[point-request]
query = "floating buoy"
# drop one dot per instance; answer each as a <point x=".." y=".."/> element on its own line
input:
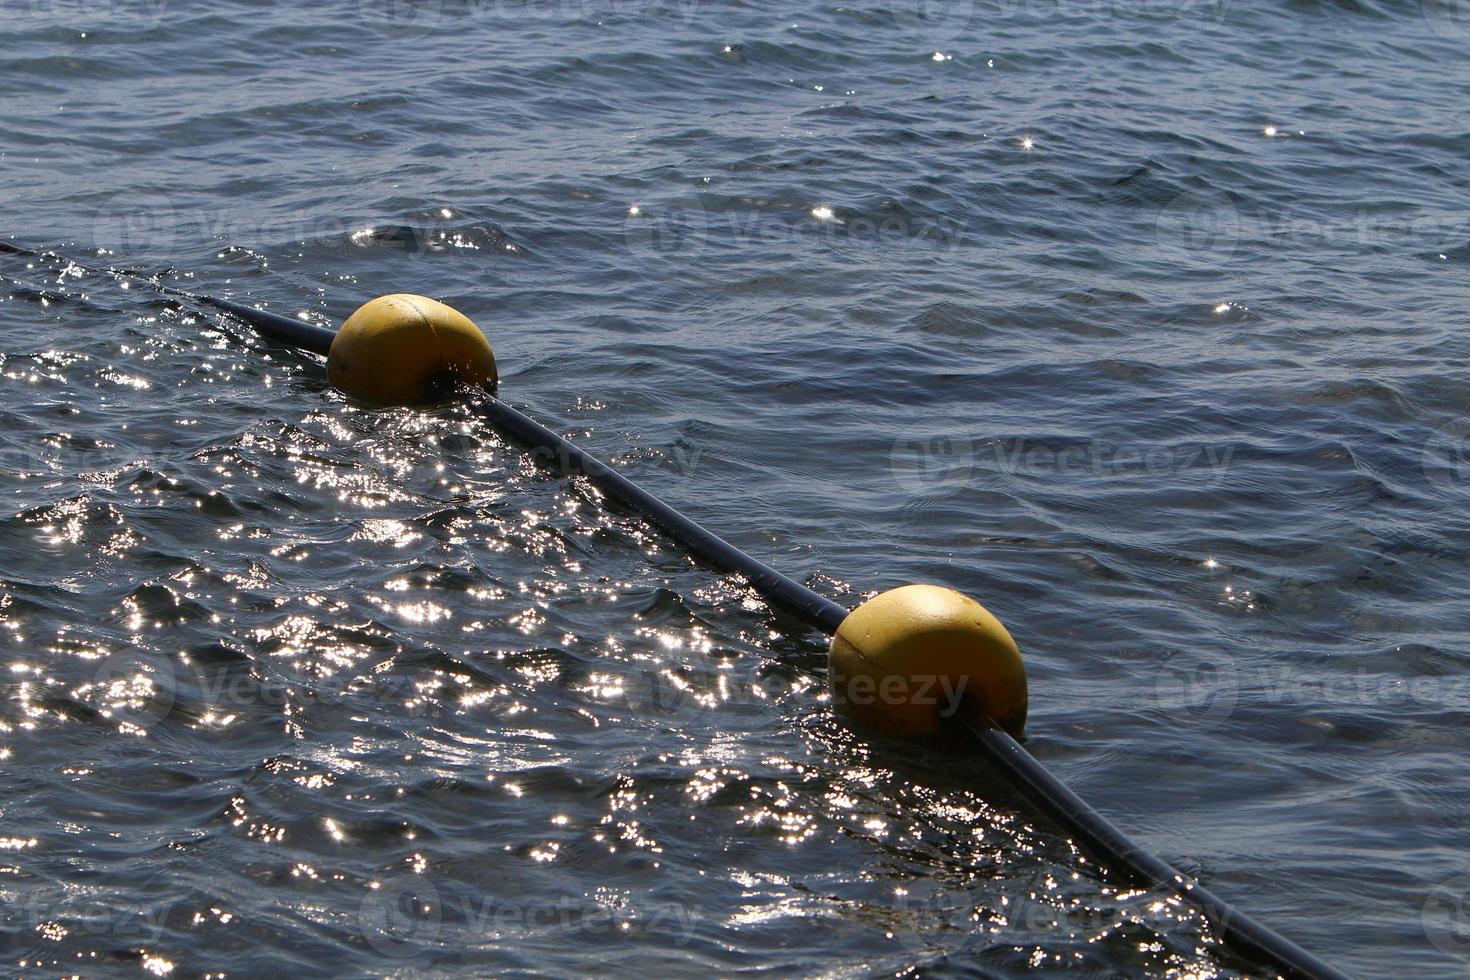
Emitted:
<point x="404" y="349"/>
<point x="906" y="638"/>
<point x="908" y="658"/>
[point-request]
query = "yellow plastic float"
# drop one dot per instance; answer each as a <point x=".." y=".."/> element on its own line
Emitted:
<point x="403" y="349"/>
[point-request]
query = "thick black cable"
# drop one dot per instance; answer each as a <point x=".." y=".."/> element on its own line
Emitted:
<point x="790" y="595"/>
<point x="1106" y="843"/>
<point x="1238" y="932"/>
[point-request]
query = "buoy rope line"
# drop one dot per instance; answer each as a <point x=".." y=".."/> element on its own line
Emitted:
<point x="384" y="318"/>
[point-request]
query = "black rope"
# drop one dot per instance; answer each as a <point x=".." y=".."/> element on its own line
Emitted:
<point x="1238" y="932"/>
<point x="808" y="606"/>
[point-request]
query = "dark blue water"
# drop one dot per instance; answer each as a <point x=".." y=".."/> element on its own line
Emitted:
<point x="1142" y="321"/>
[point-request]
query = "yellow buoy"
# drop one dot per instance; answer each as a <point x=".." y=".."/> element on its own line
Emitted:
<point x="910" y="657"/>
<point x="403" y="349"/>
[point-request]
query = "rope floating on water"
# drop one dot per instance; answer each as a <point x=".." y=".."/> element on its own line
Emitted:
<point x="1238" y="932"/>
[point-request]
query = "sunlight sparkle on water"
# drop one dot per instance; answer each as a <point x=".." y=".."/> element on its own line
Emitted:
<point x="157" y="965"/>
